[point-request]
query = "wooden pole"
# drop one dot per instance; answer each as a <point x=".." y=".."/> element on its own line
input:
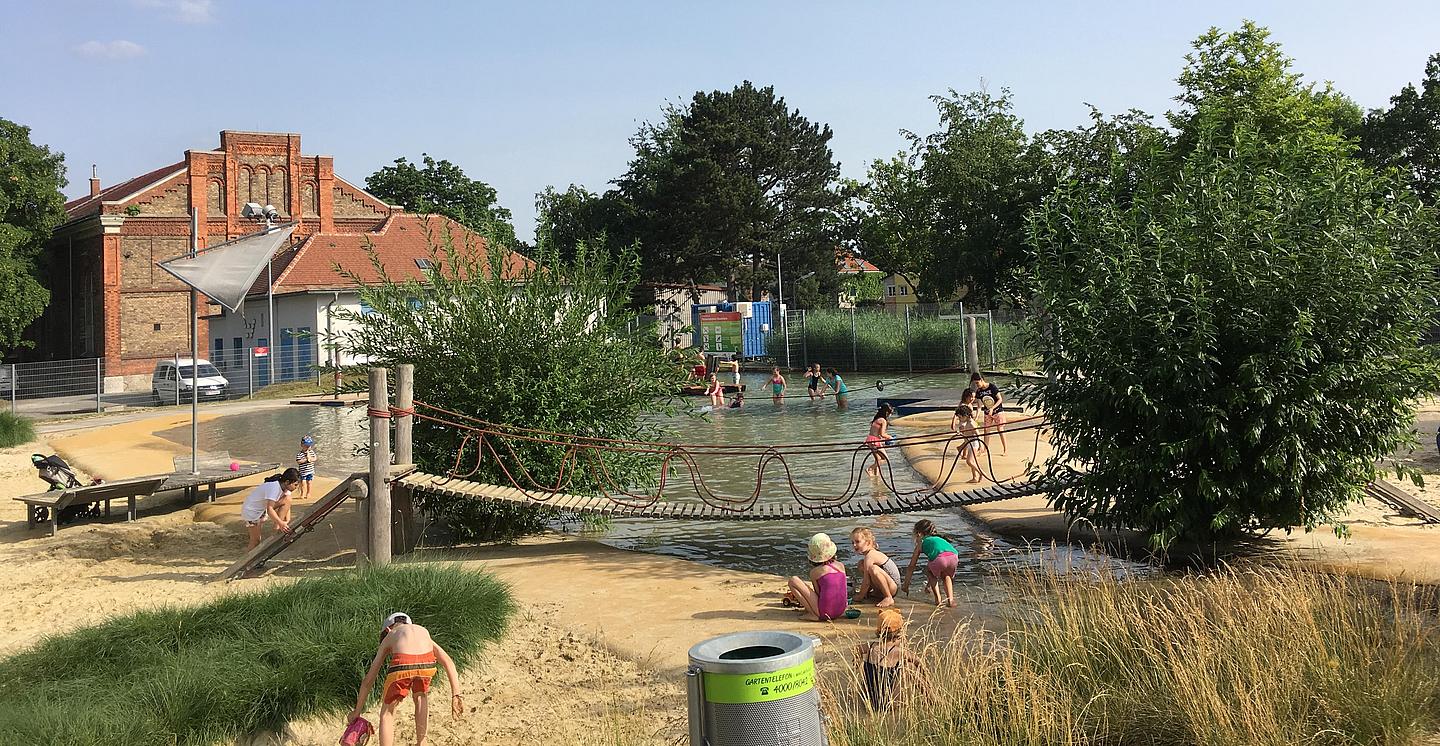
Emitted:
<point x="379" y="514"/>
<point x="404" y="423"/>
<point x="972" y="344"/>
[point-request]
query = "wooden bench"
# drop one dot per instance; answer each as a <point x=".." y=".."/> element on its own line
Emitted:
<point x="56" y="501"/>
<point x="210" y="475"/>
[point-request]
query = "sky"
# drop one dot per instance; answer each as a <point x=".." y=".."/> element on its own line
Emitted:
<point x="524" y="95"/>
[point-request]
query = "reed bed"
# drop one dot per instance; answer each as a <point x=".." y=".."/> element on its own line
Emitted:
<point x="244" y="664"/>
<point x="1229" y="657"/>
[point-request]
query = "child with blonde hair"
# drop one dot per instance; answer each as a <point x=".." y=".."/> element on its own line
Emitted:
<point x="879" y="576"/>
<point x="886" y="662"/>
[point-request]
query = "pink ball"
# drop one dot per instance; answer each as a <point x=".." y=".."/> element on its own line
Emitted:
<point x="234" y="466"/>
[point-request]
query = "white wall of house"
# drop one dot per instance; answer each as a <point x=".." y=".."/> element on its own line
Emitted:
<point x="302" y="323"/>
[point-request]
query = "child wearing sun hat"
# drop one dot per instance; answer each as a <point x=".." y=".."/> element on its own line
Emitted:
<point x="825" y="595"/>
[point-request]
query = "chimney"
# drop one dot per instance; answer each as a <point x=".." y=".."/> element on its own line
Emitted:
<point x="94" y="182"/>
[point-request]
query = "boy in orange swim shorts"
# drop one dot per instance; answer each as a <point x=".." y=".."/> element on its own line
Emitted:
<point x="413" y="659"/>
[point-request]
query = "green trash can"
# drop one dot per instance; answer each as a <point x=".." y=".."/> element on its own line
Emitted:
<point x="754" y="689"/>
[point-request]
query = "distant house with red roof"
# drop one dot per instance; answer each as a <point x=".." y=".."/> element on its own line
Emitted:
<point x="109" y="300"/>
<point x="854" y="271"/>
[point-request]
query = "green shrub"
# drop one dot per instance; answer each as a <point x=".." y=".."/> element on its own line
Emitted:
<point x="15" y="430"/>
<point x="550" y="345"/>
<point x="248" y="662"/>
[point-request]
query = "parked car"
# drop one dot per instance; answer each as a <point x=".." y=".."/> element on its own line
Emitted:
<point x="166" y="377"/>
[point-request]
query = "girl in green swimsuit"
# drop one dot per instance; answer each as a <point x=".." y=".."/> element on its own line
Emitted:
<point x="777" y="386"/>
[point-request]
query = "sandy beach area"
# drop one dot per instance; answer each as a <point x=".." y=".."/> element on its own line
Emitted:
<point x="596" y="654"/>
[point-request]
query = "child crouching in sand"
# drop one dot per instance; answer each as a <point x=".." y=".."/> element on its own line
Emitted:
<point x="943" y="561"/>
<point x="825" y="595"/>
<point x="886" y="662"/>
<point x="413" y="657"/>
<point x="879" y="577"/>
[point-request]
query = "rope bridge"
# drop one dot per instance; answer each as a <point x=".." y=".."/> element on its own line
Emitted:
<point x="584" y="479"/>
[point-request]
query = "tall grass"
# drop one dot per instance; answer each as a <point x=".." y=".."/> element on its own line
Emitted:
<point x="246" y="663"/>
<point x="15" y="430"/>
<point x="880" y="342"/>
<point x="1256" y="657"/>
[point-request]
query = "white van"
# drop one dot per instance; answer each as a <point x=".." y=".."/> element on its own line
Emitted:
<point x="163" y="383"/>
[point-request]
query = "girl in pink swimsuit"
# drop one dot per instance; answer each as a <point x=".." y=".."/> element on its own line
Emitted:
<point x="878" y="437"/>
<point x="826" y="594"/>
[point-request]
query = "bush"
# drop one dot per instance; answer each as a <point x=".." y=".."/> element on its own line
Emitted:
<point x="245" y="663"/>
<point x="15" y="430"/>
<point x="1232" y="314"/>
<point x="548" y="345"/>
<point x="1242" y="658"/>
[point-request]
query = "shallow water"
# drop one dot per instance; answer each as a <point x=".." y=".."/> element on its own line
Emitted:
<point x="776" y="547"/>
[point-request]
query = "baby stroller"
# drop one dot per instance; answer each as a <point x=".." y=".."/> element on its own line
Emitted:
<point x="60" y="476"/>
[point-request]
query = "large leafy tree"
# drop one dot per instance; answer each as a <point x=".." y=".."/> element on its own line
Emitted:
<point x="949" y="212"/>
<point x="578" y="217"/>
<point x="1231" y="313"/>
<point x="718" y="188"/>
<point x="31" y="205"/>
<point x="442" y="187"/>
<point x="1407" y="135"/>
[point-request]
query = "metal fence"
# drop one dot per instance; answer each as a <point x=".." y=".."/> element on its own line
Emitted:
<point x="911" y="338"/>
<point x="55" y="387"/>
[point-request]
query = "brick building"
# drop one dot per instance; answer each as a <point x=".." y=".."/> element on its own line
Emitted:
<point x="109" y="300"/>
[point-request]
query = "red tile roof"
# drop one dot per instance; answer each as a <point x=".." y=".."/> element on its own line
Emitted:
<point x="398" y="243"/>
<point x="849" y="264"/>
<point x="83" y="206"/>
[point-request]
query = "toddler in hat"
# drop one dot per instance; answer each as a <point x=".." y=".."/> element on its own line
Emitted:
<point x="824" y="597"/>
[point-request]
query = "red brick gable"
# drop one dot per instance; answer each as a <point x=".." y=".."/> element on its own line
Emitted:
<point x="87" y="205"/>
<point x="398" y="243"/>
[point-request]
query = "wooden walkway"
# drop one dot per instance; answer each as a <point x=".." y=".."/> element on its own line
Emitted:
<point x="695" y="510"/>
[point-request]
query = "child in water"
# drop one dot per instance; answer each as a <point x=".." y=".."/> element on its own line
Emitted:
<point x="305" y="462"/>
<point x="838" y="384"/>
<point x="815" y="379"/>
<point x="943" y="560"/>
<point x="777" y="386"/>
<point x="715" y="391"/>
<point x="413" y="658"/>
<point x="963" y="423"/>
<point x="886" y="662"/>
<point x="879" y="577"/>
<point x="878" y="437"/>
<point x="739" y="400"/>
<point x="824" y="596"/>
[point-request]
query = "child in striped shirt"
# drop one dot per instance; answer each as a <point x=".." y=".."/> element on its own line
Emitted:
<point x="305" y="462"/>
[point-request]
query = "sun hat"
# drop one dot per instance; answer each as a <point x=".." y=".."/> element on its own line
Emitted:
<point x="889" y="623"/>
<point x="395" y="618"/>
<point x="821" y="549"/>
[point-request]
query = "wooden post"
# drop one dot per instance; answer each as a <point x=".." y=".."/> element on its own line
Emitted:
<point x="404" y="423"/>
<point x="972" y="344"/>
<point x="379" y="514"/>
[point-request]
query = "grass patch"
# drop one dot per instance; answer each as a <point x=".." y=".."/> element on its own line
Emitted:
<point x="1259" y="658"/>
<point x="15" y="430"/>
<point x="211" y="673"/>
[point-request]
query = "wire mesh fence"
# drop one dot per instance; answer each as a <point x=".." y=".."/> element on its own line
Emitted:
<point x="54" y="387"/>
<point x="912" y="338"/>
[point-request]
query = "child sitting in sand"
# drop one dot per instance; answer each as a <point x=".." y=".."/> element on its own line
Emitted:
<point x="413" y="657"/>
<point x="879" y="577"/>
<point x="271" y="498"/>
<point x="824" y="596"/>
<point x="943" y="560"/>
<point x="886" y="662"/>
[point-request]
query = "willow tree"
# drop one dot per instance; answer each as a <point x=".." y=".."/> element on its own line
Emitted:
<point x="1231" y="309"/>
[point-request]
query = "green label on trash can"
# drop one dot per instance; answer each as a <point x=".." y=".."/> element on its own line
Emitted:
<point x="744" y="688"/>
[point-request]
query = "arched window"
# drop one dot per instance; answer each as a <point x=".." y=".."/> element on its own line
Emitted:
<point x="310" y="199"/>
<point x="278" y="191"/>
<point x="245" y="190"/>
<point x="215" y="197"/>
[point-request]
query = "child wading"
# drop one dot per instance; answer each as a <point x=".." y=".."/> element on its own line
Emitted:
<point x="963" y="422"/>
<point x="842" y="394"/>
<point x="879" y="577"/>
<point x="413" y="659"/>
<point x="878" y="437"/>
<point x="943" y="560"/>
<point x="305" y="462"/>
<point x="270" y="499"/>
<point x="815" y="380"/>
<point x="887" y="663"/>
<point x="824" y="596"/>
<point x="777" y="386"/>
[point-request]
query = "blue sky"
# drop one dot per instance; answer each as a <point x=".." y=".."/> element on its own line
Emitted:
<point x="528" y="94"/>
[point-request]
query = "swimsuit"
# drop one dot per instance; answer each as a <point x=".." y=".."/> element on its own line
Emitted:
<point x="943" y="559"/>
<point x="832" y="594"/>
<point x="879" y="682"/>
<point x="814" y="381"/>
<point x="777" y="386"/>
<point x="409" y="673"/>
<point x="839" y="386"/>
